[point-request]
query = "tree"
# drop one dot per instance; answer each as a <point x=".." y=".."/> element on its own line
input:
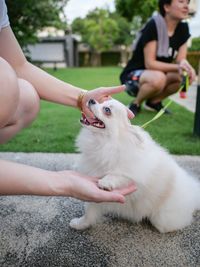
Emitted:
<point x="132" y="8"/>
<point x="124" y="30"/>
<point x="98" y="30"/>
<point x="27" y="17"/>
<point x="195" y="44"/>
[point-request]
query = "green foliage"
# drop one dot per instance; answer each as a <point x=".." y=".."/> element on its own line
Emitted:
<point x="195" y="44"/>
<point x="78" y="26"/>
<point x="29" y="16"/>
<point x="101" y="30"/>
<point x="193" y="55"/>
<point x="57" y="126"/>
<point x="131" y="8"/>
<point x="98" y="30"/>
<point x="124" y="29"/>
<point x="194" y="58"/>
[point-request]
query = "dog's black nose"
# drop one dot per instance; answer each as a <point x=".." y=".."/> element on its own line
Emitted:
<point x="91" y="102"/>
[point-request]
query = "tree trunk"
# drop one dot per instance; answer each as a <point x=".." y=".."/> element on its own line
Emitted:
<point x="96" y="59"/>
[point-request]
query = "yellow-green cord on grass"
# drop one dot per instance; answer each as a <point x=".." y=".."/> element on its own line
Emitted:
<point x="162" y="111"/>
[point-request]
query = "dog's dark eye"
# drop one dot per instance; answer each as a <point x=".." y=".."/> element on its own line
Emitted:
<point x="107" y="111"/>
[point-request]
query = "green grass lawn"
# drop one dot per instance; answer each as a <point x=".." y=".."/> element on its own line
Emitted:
<point x="57" y="126"/>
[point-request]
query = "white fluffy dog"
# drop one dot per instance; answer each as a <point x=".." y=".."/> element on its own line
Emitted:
<point x="118" y="152"/>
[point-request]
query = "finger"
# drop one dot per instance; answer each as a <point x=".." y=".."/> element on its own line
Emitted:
<point x="127" y="190"/>
<point x="88" y="113"/>
<point x="113" y="90"/>
<point x="117" y="195"/>
<point x="130" y="114"/>
<point x="193" y="73"/>
<point x="118" y="198"/>
<point x="104" y="98"/>
<point x="107" y="196"/>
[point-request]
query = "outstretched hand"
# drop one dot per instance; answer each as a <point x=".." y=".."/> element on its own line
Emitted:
<point x="86" y="188"/>
<point x="101" y="94"/>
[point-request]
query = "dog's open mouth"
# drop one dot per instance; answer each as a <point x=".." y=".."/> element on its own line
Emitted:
<point x="94" y="122"/>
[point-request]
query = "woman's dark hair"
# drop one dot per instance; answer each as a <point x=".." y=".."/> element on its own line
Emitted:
<point x="161" y="4"/>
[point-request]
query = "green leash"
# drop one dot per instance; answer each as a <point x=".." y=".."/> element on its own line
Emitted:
<point x="185" y="83"/>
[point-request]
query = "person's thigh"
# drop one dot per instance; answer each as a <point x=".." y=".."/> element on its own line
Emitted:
<point x="154" y="78"/>
<point x="19" y="103"/>
<point x="19" y="100"/>
<point x="9" y="93"/>
<point x="28" y="105"/>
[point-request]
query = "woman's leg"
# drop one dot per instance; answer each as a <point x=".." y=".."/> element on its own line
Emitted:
<point x="152" y="83"/>
<point x="19" y="103"/>
<point x="172" y="86"/>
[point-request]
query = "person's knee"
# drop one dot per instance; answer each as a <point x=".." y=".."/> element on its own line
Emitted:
<point x="155" y="81"/>
<point x="158" y="81"/>
<point x="173" y="77"/>
<point x="9" y="93"/>
<point x="30" y="102"/>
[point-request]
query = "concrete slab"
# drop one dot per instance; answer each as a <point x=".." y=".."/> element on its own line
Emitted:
<point x="34" y="231"/>
<point x="189" y="102"/>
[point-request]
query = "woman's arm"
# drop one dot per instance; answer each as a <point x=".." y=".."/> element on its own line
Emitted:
<point x="181" y="63"/>
<point x="152" y="63"/>
<point x="48" y="87"/>
<point x="19" y="179"/>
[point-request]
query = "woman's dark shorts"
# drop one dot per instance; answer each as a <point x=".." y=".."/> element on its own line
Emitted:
<point x="132" y="82"/>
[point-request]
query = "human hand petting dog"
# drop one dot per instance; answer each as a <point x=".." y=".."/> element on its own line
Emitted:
<point x="86" y="188"/>
<point x="100" y="95"/>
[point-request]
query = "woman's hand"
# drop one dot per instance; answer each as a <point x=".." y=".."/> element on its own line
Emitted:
<point x="20" y="179"/>
<point x="86" y="188"/>
<point x="184" y="65"/>
<point x="101" y="94"/>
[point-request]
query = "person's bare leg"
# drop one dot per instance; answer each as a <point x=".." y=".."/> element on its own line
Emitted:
<point x="9" y="92"/>
<point x="152" y="83"/>
<point x="19" y="103"/>
<point x="172" y="86"/>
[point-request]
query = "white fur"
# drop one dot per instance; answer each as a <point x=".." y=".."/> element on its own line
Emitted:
<point x="120" y="152"/>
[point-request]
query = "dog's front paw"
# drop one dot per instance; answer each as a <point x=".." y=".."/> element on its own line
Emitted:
<point x="111" y="182"/>
<point x="78" y="224"/>
<point x="106" y="184"/>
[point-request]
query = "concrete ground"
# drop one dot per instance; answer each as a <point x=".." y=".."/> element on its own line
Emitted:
<point x="35" y="232"/>
<point x="189" y="102"/>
